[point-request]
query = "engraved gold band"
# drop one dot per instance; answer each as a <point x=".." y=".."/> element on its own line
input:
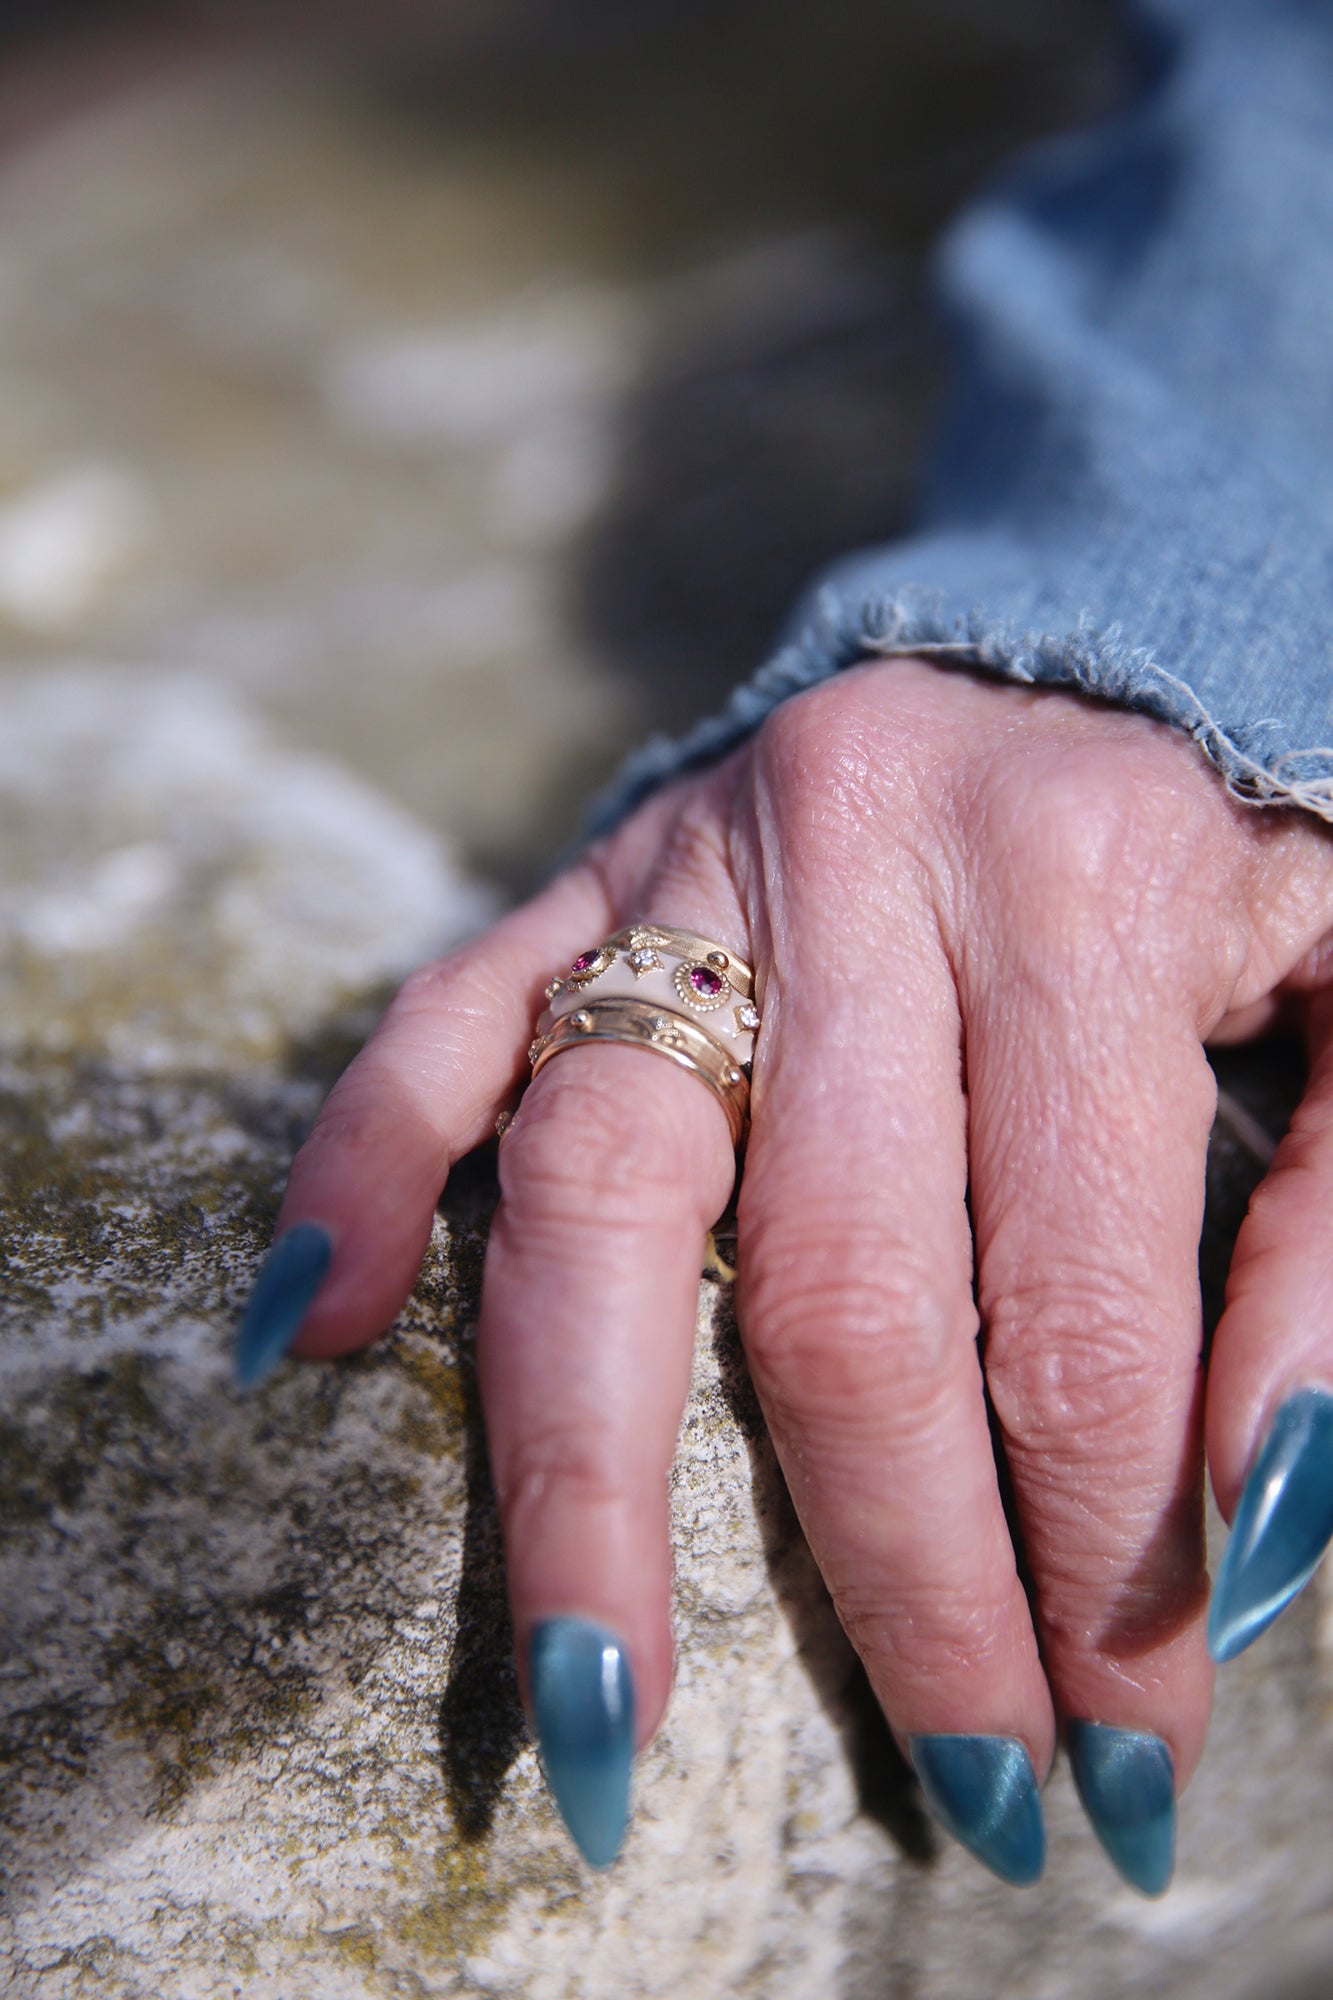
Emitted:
<point x="644" y="1025"/>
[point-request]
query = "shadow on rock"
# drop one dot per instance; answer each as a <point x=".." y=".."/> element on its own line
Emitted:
<point x="481" y="1723"/>
<point x="886" y="1788"/>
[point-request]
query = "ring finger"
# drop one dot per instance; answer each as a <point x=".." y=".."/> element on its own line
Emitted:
<point x="611" y="1173"/>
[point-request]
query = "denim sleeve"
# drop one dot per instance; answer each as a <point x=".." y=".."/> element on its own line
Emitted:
<point x="1132" y="494"/>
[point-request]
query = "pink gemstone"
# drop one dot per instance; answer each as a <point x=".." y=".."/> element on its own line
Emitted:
<point x="705" y="983"/>
<point x="586" y="961"/>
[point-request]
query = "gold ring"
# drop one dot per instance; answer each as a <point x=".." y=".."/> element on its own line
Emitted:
<point x="655" y="987"/>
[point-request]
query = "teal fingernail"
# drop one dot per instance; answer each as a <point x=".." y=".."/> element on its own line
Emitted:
<point x="984" y="1791"/>
<point x="1127" y="1782"/>
<point x="289" y="1278"/>
<point x="583" y="1709"/>
<point x="1283" y="1525"/>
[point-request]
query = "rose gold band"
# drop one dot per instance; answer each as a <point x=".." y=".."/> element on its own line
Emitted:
<point x="642" y="1025"/>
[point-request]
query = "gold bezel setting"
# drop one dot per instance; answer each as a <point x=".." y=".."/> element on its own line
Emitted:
<point x="701" y="987"/>
<point x="590" y="965"/>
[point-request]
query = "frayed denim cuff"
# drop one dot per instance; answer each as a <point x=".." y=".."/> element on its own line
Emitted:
<point x="1251" y="752"/>
<point x="1132" y="493"/>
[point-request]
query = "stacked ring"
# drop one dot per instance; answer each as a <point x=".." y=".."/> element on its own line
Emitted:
<point x="655" y="988"/>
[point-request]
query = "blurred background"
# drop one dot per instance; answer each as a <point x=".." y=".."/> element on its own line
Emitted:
<point x="470" y="387"/>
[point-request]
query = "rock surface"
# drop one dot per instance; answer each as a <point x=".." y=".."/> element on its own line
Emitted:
<point x="300" y="596"/>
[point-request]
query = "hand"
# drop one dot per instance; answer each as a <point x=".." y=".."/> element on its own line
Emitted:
<point x="992" y="930"/>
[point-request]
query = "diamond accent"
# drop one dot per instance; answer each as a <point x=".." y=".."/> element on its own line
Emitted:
<point x="747" y="1018"/>
<point x="643" y="959"/>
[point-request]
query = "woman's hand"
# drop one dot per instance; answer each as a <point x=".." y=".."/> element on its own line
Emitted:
<point x="992" y="930"/>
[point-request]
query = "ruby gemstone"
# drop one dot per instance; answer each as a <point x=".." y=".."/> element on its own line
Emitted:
<point x="586" y="961"/>
<point x="705" y="983"/>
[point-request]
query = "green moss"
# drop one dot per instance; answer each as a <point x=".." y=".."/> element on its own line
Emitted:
<point x="142" y="1204"/>
<point x="466" y="1909"/>
<point x="436" y="1429"/>
<point x="355" y="1946"/>
<point x="109" y="1190"/>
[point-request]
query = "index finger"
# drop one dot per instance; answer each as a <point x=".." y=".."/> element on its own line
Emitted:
<point x="356" y="1217"/>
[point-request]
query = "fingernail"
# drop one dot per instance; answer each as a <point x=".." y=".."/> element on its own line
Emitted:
<point x="290" y="1276"/>
<point x="1283" y="1525"/>
<point x="1127" y="1782"/>
<point x="982" y="1788"/>
<point x="583" y="1709"/>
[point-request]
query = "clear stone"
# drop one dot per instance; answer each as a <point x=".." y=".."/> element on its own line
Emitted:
<point x="747" y="1018"/>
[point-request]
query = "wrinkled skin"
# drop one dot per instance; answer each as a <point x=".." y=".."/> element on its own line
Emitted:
<point x="992" y="930"/>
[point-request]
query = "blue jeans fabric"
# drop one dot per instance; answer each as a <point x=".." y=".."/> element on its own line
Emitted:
<point x="1132" y="494"/>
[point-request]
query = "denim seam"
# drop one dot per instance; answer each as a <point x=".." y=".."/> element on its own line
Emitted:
<point x="1086" y="661"/>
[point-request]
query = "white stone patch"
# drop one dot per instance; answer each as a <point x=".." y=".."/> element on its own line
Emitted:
<point x="549" y="481"/>
<point x="174" y="882"/>
<point x="64" y="540"/>
<point x="120" y="891"/>
<point x="477" y="383"/>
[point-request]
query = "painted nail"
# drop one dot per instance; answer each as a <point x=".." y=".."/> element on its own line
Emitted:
<point x="290" y="1276"/>
<point x="583" y="1709"/>
<point x="1283" y="1525"/>
<point x="1127" y="1782"/>
<point x="983" y="1790"/>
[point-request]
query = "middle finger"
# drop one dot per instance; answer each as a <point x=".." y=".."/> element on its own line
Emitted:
<point x="857" y="1311"/>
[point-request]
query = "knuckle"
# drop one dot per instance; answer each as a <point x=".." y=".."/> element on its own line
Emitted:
<point x="362" y="1119"/>
<point x="910" y="1633"/>
<point x="439" y="1010"/>
<point x="1098" y="860"/>
<point x="436" y="985"/>
<point x="822" y="1317"/>
<point x="837" y="754"/>
<point x="573" y="1151"/>
<point x="1070" y="1376"/>
<point x="1075" y="828"/>
<point x="559" y="1467"/>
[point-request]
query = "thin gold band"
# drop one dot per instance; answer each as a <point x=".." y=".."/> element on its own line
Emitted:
<point x="643" y="1025"/>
